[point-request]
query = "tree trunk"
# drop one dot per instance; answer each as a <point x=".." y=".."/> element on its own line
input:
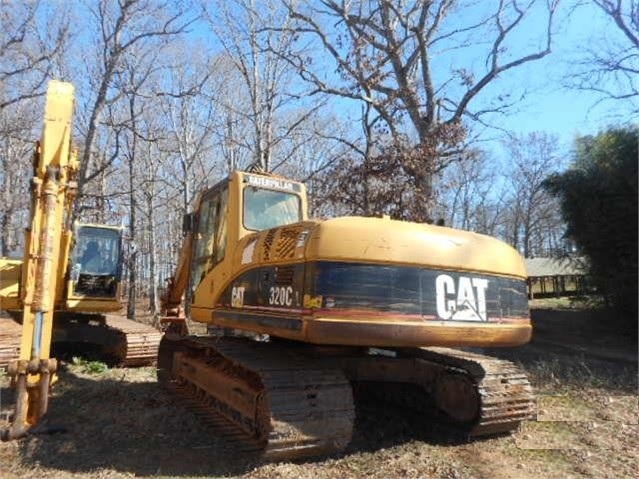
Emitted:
<point x="130" y="309"/>
<point x="4" y="238"/>
<point x="153" y="281"/>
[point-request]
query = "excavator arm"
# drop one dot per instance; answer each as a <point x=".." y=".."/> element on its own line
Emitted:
<point x="173" y="318"/>
<point x="53" y="189"/>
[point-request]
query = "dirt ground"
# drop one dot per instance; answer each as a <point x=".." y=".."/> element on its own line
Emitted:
<point x="118" y="423"/>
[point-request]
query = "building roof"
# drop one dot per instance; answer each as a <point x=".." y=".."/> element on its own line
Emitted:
<point x="555" y="266"/>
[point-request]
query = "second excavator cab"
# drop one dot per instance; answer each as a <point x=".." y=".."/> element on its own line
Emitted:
<point x="96" y="268"/>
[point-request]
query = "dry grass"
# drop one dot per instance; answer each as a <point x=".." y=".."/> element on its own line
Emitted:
<point x="119" y="423"/>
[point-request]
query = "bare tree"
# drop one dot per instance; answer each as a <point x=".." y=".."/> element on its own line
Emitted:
<point x="124" y="27"/>
<point x="17" y="134"/>
<point x="393" y="56"/>
<point x="191" y="121"/>
<point x="143" y="134"/>
<point x="534" y="224"/>
<point x="271" y="102"/>
<point x="610" y="64"/>
<point x="186" y="159"/>
<point x="471" y="196"/>
<point x="364" y="181"/>
<point x="148" y="185"/>
<point x="29" y="48"/>
<point x="134" y="84"/>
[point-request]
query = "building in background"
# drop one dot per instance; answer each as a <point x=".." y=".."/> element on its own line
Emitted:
<point x="557" y="277"/>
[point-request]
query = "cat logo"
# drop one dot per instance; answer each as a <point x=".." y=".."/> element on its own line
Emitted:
<point x="237" y="296"/>
<point x="463" y="299"/>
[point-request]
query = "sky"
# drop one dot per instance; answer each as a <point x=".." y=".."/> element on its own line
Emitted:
<point x="543" y="102"/>
<point x="545" y="105"/>
<point x="550" y="107"/>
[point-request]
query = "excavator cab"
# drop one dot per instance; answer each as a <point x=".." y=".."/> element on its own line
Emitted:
<point x="95" y="268"/>
<point x="240" y="206"/>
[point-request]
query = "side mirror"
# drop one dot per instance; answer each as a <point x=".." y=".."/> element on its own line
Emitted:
<point x="189" y="223"/>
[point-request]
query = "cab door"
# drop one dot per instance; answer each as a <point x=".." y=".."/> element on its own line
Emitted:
<point x="210" y="243"/>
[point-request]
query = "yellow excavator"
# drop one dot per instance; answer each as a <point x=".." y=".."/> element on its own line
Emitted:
<point x="86" y="303"/>
<point x="67" y="281"/>
<point x="306" y="315"/>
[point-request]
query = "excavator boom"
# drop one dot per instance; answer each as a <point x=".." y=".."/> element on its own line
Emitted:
<point x="173" y="318"/>
<point x="53" y="188"/>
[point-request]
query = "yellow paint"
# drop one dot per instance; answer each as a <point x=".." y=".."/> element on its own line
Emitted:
<point x="381" y="241"/>
<point x="311" y="302"/>
<point x="52" y="194"/>
<point x="83" y="304"/>
<point x="10" y="272"/>
<point x="386" y="241"/>
<point x="51" y="203"/>
<point x="238" y="239"/>
<point x="65" y="297"/>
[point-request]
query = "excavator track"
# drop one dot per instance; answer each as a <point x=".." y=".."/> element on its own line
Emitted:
<point x="141" y="341"/>
<point x="506" y="397"/>
<point x="124" y="342"/>
<point x="481" y="394"/>
<point x="10" y="335"/>
<point x="264" y="397"/>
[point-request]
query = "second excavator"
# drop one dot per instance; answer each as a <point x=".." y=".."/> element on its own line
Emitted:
<point x="87" y="275"/>
<point x="68" y="279"/>
<point x="87" y="319"/>
<point x="306" y="315"/>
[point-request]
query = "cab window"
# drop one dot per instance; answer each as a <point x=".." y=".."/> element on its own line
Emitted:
<point x="97" y="251"/>
<point x="265" y="209"/>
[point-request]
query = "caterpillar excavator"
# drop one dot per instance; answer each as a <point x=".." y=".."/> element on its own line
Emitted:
<point x="305" y="316"/>
<point x="67" y="281"/>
